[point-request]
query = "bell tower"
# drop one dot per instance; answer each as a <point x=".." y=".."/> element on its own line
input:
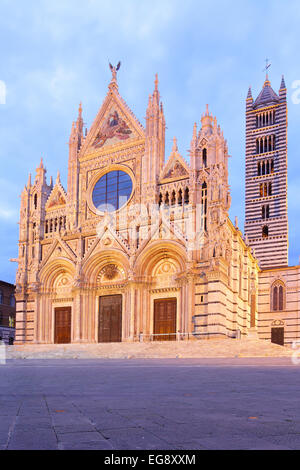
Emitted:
<point x="266" y="218"/>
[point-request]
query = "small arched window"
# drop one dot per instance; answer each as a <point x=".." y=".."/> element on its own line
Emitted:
<point x="35" y="199"/>
<point x="1" y="297"/>
<point x="204" y="157"/>
<point x="186" y="196"/>
<point x="173" y="200"/>
<point x="265" y="231"/>
<point x="277" y="300"/>
<point x="180" y="197"/>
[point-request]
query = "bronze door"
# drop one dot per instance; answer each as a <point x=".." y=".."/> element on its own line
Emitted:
<point x="62" y="333"/>
<point x="277" y="336"/>
<point x="165" y="320"/>
<point x="110" y="319"/>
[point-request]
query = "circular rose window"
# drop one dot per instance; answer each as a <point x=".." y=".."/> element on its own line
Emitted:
<point x="112" y="191"/>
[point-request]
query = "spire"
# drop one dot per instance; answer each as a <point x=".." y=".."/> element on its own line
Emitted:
<point x="195" y="132"/>
<point x="193" y="141"/>
<point x="175" y="147"/>
<point x="156" y="82"/>
<point x="155" y="137"/>
<point x="41" y="173"/>
<point x="249" y="95"/>
<point x="282" y="85"/>
<point x="267" y="96"/>
<point x="58" y="177"/>
<point x="206" y="120"/>
<point x="29" y="181"/>
<point x="156" y="95"/>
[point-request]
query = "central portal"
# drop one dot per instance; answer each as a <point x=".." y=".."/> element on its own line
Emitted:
<point x="165" y="320"/>
<point x="110" y="319"/>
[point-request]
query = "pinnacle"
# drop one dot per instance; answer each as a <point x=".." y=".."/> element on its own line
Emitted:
<point x="156" y="82"/>
<point x="282" y="85"/>
<point x="249" y="95"/>
<point x="175" y="147"/>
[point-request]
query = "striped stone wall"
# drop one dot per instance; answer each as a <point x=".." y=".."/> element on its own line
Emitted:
<point x="287" y="318"/>
<point x="268" y="189"/>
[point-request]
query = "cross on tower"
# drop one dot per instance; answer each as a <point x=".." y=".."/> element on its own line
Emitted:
<point x="267" y="66"/>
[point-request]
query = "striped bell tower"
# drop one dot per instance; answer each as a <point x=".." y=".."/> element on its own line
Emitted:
<point x="266" y="218"/>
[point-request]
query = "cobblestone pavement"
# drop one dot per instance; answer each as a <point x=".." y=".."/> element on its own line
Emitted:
<point x="150" y="404"/>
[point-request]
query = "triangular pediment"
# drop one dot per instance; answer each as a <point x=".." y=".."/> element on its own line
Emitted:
<point x="107" y="239"/>
<point x="163" y="230"/>
<point x="176" y="168"/>
<point x="57" y="198"/>
<point x="115" y="125"/>
<point x="58" y="249"/>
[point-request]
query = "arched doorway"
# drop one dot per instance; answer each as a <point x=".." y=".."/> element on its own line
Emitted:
<point x="110" y="319"/>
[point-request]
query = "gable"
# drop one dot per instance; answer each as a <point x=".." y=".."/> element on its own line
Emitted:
<point x="57" y="198"/>
<point x="113" y="129"/>
<point x="176" y="170"/>
<point x="114" y="125"/>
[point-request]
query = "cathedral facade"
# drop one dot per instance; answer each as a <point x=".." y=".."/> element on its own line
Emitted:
<point x="139" y="249"/>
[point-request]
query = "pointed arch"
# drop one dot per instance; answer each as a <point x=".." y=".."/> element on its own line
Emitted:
<point x="278" y="296"/>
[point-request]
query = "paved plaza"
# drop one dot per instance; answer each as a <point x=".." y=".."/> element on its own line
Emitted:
<point x="160" y="404"/>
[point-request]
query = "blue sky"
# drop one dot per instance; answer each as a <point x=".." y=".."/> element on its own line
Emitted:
<point x="55" y="54"/>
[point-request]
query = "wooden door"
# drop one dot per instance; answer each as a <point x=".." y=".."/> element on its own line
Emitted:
<point x="277" y="336"/>
<point x="62" y="325"/>
<point x="110" y="319"/>
<point x="165" y="320"/>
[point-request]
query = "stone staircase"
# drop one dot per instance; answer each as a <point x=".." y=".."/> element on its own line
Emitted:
<point x="213" y="348"/>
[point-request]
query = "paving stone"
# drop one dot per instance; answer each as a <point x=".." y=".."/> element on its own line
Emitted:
<point x="239" y="443"/>
<point x="134" y="439"/>
<point x="36" y="439"/>
<point x="150" y="404"/>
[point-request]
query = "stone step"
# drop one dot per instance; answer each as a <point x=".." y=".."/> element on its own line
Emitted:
<point x="247" y="347"/>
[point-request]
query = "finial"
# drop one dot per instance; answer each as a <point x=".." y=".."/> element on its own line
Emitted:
<point x="156" y="82"/>
<point x="41" y="164"/>
<point x="58" y="177"/>
<point x="175" y="147"/>
<point x="51" y="182"/>
<point x="236" y="222"/>
<point x="207" y="111"/>
<point x="195" y="131"/>
<point x="80" y="109"/>
<point x="249" y="95"/>
<point x="29" y="181"/>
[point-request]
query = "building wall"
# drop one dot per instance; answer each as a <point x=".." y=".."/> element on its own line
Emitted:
<point x="173" y="238"/>
<point x="287" y="318"/>
<point x="7" y="311"/>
